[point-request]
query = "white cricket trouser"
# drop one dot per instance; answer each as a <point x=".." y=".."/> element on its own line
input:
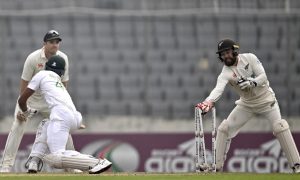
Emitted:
<point x="240" y="115"/>
<point x="55" y="132"/>
<point x="16" y="134"/>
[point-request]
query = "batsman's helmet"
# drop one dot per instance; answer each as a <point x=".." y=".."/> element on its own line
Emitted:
<point x="51" y="35"/>
<point x="56" y="64"/>
<point x="227" y="44"/>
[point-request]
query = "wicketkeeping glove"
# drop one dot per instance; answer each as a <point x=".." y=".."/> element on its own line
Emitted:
<point x="246" y="83"/>
<point x="22" y="116"/>
<point x="205" y="106"/>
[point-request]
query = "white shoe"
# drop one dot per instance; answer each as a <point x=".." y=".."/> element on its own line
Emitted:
<point x="75" y="171"/>
<point x="296" y="168"/>
<point x="32" y="167"/>
<point x="5" y="169"/>
<point x="102" y="166"/>
<point x="34" y="164"/>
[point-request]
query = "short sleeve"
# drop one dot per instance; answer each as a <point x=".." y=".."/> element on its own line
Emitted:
<point x="28" y="69"/>
<point x="66" y="75"/>
<point x="35" y="82"/>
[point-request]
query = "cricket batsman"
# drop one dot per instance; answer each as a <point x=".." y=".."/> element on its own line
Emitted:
<point x="63" y="119"/>
<point x="34" y="63"/>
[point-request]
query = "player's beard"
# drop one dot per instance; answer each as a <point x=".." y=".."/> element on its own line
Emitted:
<point x="230" y="61"/>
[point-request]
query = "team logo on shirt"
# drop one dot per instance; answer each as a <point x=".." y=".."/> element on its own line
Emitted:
<point x="40" y="65"/>
<point x="246" y="67"/>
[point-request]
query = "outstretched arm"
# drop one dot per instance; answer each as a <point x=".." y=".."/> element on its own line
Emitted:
<point x="215" y="94"/>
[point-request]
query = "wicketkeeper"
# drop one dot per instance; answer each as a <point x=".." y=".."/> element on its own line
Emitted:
<point x="246" y="75"/>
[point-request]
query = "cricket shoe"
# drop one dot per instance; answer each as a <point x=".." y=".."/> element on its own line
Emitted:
<point x="5" y="169"/>
<point x="102" y="166"/>
<point x="75" y="171"/>
<point x="296" y="168"/>
<point x="32" y="167"/>
<point x="203" y="168"/>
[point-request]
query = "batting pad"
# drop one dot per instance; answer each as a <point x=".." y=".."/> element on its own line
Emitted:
<point x="282" y="131"/>
<point x="222" y="144"/>
<point x="71" y="159"/>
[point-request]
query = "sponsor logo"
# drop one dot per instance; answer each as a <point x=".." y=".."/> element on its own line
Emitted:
<point x="180" y="159"/>
<point x="40" y="65"/>
<point x="265" y="159"/>
<point x="124" y="156"/>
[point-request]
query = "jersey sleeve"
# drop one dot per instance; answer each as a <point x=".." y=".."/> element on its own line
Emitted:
<point x="66" y="75"/>
<point x="258" y="70"/>
<point x="256" y="65"/>
<point x="28" y="69"/>
<point x="35" y="82"/>
<point x="217" y="92"/>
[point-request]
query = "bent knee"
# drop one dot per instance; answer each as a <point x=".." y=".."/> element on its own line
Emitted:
<point x="54" y="160"/>
<point x="280" y="126"/>
<point x="228" y="129"/>
<point x="224" y="127"/>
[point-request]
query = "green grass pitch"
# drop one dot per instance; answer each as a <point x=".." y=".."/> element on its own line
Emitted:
<point x="149" y="176"/>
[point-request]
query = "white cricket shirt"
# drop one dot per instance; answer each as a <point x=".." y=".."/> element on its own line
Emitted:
<point x="49" y="85"/>
<point x="34" y="63"/>
<point x="248" y="66"/>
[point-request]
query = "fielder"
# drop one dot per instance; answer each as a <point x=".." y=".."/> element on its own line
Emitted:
<point x="63" y="118"/>
<point x="34" y="63"/>
<point x="246" y="75"/>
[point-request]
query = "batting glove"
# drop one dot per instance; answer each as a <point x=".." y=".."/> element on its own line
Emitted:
<point x="205" y="106"/>
<point x="246" y="83"/>
<point x="22" y="116"/>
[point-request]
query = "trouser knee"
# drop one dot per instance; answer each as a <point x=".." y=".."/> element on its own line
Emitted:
<point x="224" y="127"/>
<point x="222" y="144"/>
